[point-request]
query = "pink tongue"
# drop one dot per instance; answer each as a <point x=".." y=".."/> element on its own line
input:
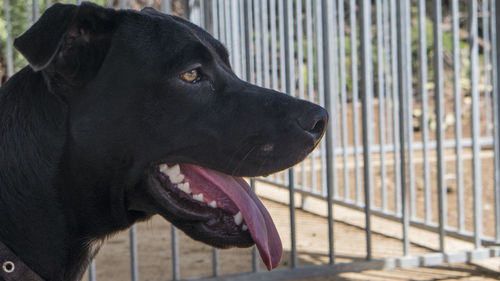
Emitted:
<point x="255" y="215"/>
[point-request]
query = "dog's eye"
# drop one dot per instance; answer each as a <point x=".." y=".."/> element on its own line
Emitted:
<point x="191" y="76"/>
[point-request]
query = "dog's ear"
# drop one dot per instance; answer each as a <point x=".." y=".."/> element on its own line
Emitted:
<point x="62" y="30"/>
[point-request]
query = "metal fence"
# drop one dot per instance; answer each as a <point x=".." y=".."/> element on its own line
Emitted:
<point x="412" y="90"/>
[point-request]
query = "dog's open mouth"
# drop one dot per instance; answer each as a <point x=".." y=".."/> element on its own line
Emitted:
<point x="217" y="209"/>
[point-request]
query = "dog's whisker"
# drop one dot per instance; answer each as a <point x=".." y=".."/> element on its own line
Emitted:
<point x="243" y="159"/>
<point x="242" y="146"/>
<point x="259" y="170"/>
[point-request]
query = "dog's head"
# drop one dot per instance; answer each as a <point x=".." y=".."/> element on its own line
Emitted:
<point x="159" y="123"/>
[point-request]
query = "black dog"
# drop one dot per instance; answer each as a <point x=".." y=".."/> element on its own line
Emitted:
<point x="122" y="115"/>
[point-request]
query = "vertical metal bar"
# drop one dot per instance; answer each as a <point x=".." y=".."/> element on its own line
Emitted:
<point x="35" y="10"/>
<point x="290" y="88"/>
<point x="310" y="81"/>
<point x="258" y="43"/>
<point x="236" y="51"/>
<point x="355" y="97"/>
<point x="255" y="259"/>
<point x="123" y="4"/>
<point x="334" y="88"/>
<point x="215" y="19"/>
<point x="438" y="84"/>
<point x="215" y="262"/>
<point x="92" y="271"/>
<point x="28" y="12"/>
<point x="274" y="39"/>
<point x="326" y="9"/>
<point x="243" y="39"/>
<point x="401" y="26"/>
<point x="222" y="21"/>
<point x="228" y="26"/>
<point x="134" y="261"/>
<point x="422" y="58"/>
<point x="10" y="58"/>
<point x="233" y="39"/>
<point x="299" y="35"/>
<point x="320" y="84"/>
<point x="194" y="12"/>
<point x="387" y="55"/>
<point x="300" y="73"/>
<point x="381" y="101"/>
<point x="367" y="82"/>
<point x="265" y="42"/>
<point x="394" y="16"/>
<point x="495" y="39"/>
<point x="458" y="113"/>
<point x="203" y="13"/>
<point x="343" y="97"/>
<point x="487" y="66"/>
<point x="175" y="254"/>
<point x="285" y="178"/>
<point x="409" y="112"/>
<point x="249" y="41"/>
<point x="281" y="21"/>
<point x="476" y="126"/>
<point x="300" y="70"/>
<point x="283" y="61"/>
<point x="166" y="6"/>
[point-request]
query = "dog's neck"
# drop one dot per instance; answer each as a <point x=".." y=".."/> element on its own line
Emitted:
<point x="32" y="140"/>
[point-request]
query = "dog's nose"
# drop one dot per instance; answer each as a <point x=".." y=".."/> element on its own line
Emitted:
<point x="314" y="123"/>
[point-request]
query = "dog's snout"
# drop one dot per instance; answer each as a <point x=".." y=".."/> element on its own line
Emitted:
<point x="314" y="123"/>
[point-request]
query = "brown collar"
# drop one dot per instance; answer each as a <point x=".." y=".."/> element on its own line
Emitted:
<point x="13" y="269"/>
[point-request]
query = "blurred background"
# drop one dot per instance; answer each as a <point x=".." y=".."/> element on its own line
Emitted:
<point x="407" y="179"/>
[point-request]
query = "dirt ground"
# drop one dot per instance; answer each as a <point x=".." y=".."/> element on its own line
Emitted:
<point x="154" y="247"/>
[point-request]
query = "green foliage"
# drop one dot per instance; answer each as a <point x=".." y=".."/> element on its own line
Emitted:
<point x="17" y="12"/>
<point x="21" y="15"/>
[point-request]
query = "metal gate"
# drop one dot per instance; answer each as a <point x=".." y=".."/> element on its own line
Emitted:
<point x="412" y="91"/>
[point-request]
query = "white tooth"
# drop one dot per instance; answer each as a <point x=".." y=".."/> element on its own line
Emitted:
<point x="184" y="187"/>
<point x="213" y="204"/>
<point x="174" y="174"/>
<point x="244" y="227"/>
<point x="176" y="179"/>
<point x="238" y="218"/>
<point x="163" y="168"/>
<point x="173" y="171"/>
<point x="198" y="197"/>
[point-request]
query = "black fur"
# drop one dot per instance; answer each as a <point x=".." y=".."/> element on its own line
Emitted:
<point x="101" y="104"/>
